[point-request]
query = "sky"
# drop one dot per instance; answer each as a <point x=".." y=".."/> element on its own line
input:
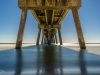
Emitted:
<point x="10" y="15"/>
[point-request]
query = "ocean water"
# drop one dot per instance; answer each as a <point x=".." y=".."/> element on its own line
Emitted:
<point x="50" y="60"/>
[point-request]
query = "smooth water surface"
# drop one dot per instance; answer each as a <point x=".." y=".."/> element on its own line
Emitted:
<point x="49" y="60"/>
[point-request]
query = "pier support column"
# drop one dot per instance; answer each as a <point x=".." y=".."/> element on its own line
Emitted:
<point x="53" y="39"/>
<point x="45" y="40"/>
<point x="21" y="29"/>
<point x="56" y="39"/>
<point x="78" y="28"/>
<point x="42" y="38"/>
<point x="60" y="38"/>
<point x="38" y="37"/>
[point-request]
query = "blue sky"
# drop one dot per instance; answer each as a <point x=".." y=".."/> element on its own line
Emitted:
<point x="89" y="17"/>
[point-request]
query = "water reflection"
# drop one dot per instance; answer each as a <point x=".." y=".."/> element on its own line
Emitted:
<point x="18" y="62"/>
<point x="51" y="63"/>
<point x="60" y="60"/>
<point x="49" y="60"/>
<point x="38" y="60"/>
<point x="82" y="62"/>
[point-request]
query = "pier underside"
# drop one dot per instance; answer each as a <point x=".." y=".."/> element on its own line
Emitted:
<point x="49" y="15"/>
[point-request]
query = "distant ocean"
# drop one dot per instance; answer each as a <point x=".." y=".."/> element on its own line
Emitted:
<point x="6" y="46"/>
<point x="91" y="47"/>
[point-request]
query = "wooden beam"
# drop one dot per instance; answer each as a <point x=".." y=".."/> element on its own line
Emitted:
<point x="60" y="38"/>
<point x="38" y="37"/>
<point x="49" y="26"/>
<point x="78" y="28"/>
<point x="63" y="16"/>
<point x="46" y="17"/>
<point x="41" y="16"/>
<point x="50" y="8"/>
<point x="21" y="29"/>
<point x="35" y="16"/>
<point x="52" y="17"/>
<point x="48" y="14"/>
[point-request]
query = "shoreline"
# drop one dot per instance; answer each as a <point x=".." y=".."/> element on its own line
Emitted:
<point x="5" y="46"/>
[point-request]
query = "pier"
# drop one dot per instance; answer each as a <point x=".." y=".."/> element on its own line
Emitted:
<point x="49" y="15"/>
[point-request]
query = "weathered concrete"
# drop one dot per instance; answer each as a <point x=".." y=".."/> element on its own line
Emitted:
<point x="21" y="28"/>
<point x="78" y="28"/>
<point x="38" y="37"/>
<point x="42" y="39"/>
<point x="53" y="39"/>
<point x="56" y="39"/>
<point x="60" y="38"/>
